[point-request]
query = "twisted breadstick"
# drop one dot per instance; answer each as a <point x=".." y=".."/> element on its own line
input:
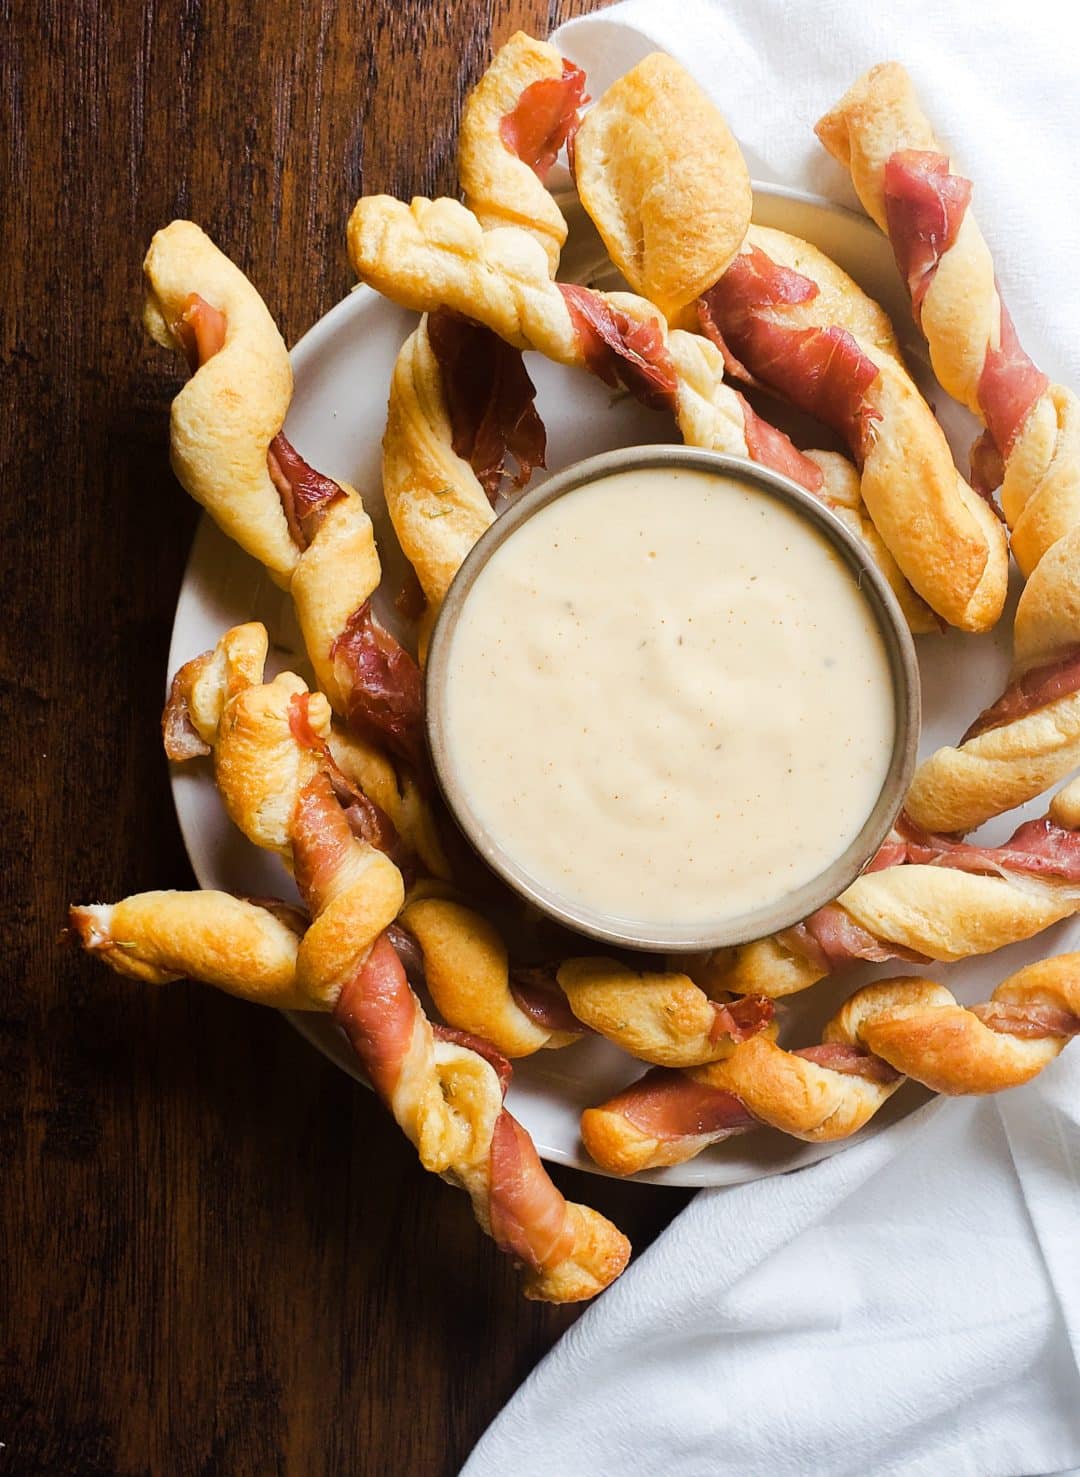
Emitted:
<point x="787" y="316"/>
<point x="269" y="742"/>
<point x="312" y="534"/>
<point x="516" y="119"/>
<point x="924" y="897"/>
<point x="243" y="946"/>
<point x="1031" y="737"/>
<point x="883" y="1033"/>
<point x="433" y="254"/>
<point x="664" y="182"/>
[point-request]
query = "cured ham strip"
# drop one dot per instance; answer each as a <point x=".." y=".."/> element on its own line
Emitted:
<point x="830" y="938"/>
<point x="822" y="371"/>
<point x="366" y="820"/>
<point x="489" y="397"/>
<point x="200" y="330"/>
<point x="529" y="1217"/>
<point x="494" y="1058"/>
<point x="853" y="1061"/>
<point x="1030" y="1022"/>
<point x="181" y="737"/>
<point x="741" y="1019"/>
<point x="621" y="350"/>
<point x="669" y="1105"/>
<point x="1034" y="690"/>
<point x="378" y="1012"/>
<point x="544" y="119"/>
<point x="771" y="448"/>
<point x="382" y="681"/>
<point x="305" y="494"/>
<point x="1039" y="847"/>
<point x="1009" y="386"/>
<point x="924" y="209"/>
<point x="321" y="842"/>
<point x="409" y="952"/>
<point x="538" y="996"/>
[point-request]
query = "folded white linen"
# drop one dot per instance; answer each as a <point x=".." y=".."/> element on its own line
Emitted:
<point x="911" y="1305"/>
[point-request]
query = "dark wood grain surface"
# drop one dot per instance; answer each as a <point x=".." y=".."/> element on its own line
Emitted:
<point x="217" y="1255"/>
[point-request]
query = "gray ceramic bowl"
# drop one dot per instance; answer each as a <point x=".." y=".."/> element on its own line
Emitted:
<point x="904" y="670"/>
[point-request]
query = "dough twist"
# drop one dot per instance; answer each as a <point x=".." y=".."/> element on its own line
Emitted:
<point x="311" y="533"/>
<point x="787" y="316"/>
<point x="433" y="254"/>
<point x="664" y="182"/>
<point x="1031" y="738"/>
<point x="515" y="120"/>
<point x="924" y="898"/>
<point x="885" y="1032"/>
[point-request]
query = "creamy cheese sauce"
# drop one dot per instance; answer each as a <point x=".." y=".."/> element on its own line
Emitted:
<point x="667" y="700"/>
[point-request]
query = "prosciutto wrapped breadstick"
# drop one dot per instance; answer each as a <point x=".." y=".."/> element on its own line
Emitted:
<point x="886" y="1032"/>
<point x="520" y="114"/>
<point x="310" y="532"/>
<point x="923" y="898"/>
<point x="1030" y="737"/>
<point x="787" y="317"/>
<point x="272" y="765"/>
<point x="433" y="255"/>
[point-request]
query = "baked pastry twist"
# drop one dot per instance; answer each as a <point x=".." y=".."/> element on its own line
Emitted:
<point x="1030" y="738"/>
<point x="664" y="182"/>
<point x="310" y="532"/>
<point x="786" y="316"/>
<point x="922" y="898"/>
<point x="655" y="1016"/>
<point x="432" y="254"/>
<point x="445" y="1090"/>
<point x="885" y="1032"/>
<point x="516" y="119"/>
<point x="244" y="946"/>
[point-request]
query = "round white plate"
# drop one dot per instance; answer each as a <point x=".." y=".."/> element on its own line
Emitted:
<point x="342" y="368"/>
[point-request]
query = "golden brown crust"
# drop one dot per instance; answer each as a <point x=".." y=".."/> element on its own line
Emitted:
<point x="499" y="188"/>
<point x="235" y="945"/>
<point x="437" y="505"/>
<point x="664" y="181"/>
<point x="468" y="973"/>
<point x="398" y="795"/>
<point x="961" y="786"/>
<point x="600" y="1253"/>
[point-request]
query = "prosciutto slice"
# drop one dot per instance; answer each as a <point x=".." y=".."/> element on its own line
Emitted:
<point x="670" y="1105"/>
<point x="621" y="350"/>
<point x="529" y="1217"/>
<point x="537" y="994"/>
<point x="200" y="330"/>
<point x="482" y="1047"/>
<point x="1034" y="690"/>
<point x="853" y="1061"/>
<point x="821" y="370"/>
<point x="771" y="448"/>
<point x="1009" y="386"/>
<point x="305" y="494"/>
<point x="1029" y="1022"/>
<point x="545" y="118"/>
<point x="741" y="1019"/>
<point x="382" y="682"/>
<point x="377" y="1011"/>
<point x="831" y="938"/>
<point x="490" y="400"/>
<point x="924" y="209"/>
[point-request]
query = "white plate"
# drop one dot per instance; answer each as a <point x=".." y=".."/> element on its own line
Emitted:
<point x="342" y="368"/>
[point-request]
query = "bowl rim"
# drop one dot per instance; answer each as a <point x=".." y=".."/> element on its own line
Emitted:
<point x="903" y="668"/>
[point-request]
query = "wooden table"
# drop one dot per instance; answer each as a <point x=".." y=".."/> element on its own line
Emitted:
<point x="219" y="1256"/>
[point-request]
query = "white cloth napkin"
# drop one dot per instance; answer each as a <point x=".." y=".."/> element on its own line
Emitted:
<point x="911" y="1305"/>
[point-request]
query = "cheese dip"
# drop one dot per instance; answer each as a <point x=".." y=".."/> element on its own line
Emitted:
<point x="667" y="700"/>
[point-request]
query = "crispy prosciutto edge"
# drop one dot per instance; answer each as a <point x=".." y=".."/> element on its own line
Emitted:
<point x="621" y="350"/>
<point x="924" y="209"/>
<point x="490" y="400"/>
<point x="382" y="682"/>
<point x="544" y="118"/>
